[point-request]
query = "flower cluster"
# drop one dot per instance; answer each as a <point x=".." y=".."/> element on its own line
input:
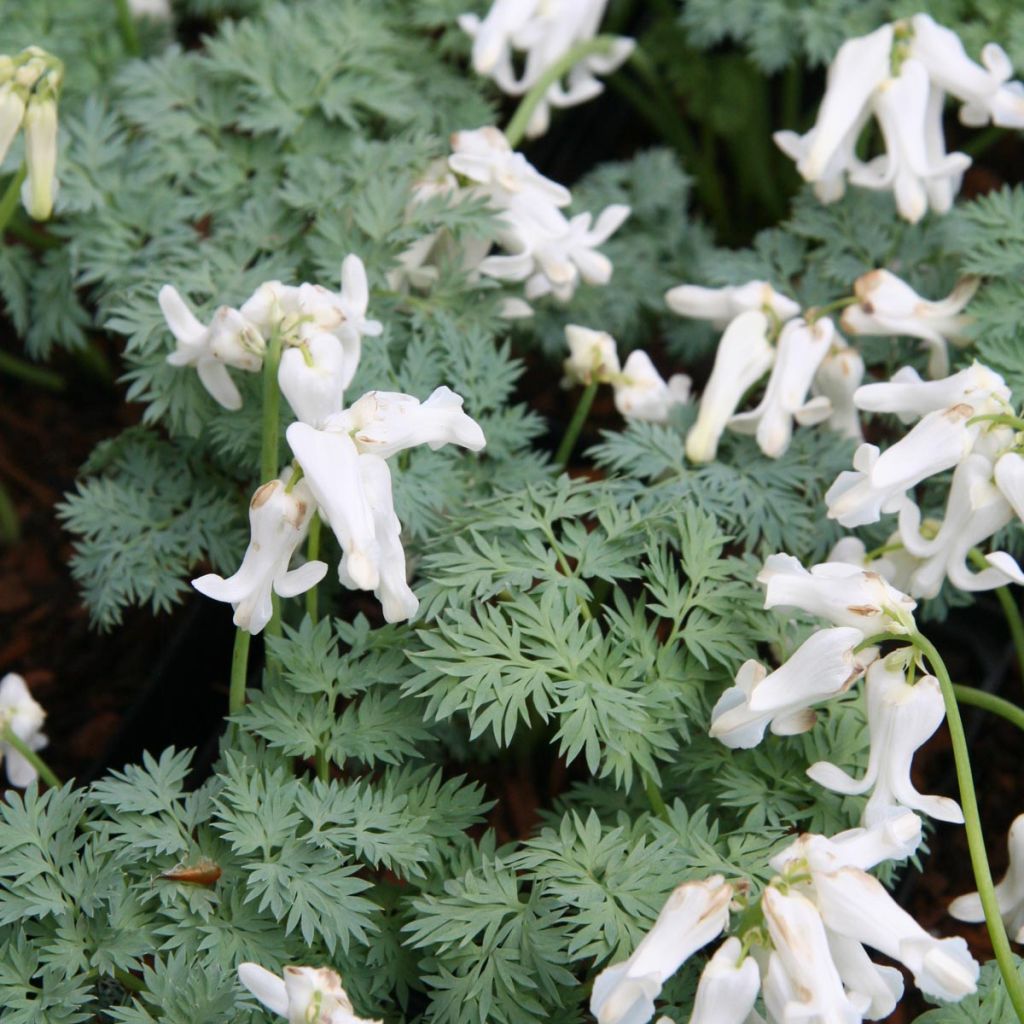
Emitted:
<point x="552" y="253"/>
<point x="30" y="83"/>
<point x="961" y="427"/>
<point x="901" y="73"/>
<point x="802" y="944"/>
<point x="641" y="392"/>
<point x="535" y="35"/>
<point x="305" y="995"/>
<point x="340" y="469"/>
<point x="806" y="353"/>
<point x="24" y="717"/>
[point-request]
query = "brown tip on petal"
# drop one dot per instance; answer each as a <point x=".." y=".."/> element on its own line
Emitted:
<point x="264" y="493"/>
<point x="863" y="609"/>
<point x="962" y="411"/>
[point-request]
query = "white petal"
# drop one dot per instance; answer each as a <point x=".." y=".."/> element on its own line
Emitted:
<point x="268" y="988"/>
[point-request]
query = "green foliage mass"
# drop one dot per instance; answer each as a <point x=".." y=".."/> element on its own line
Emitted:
<point x="469" y="815"/>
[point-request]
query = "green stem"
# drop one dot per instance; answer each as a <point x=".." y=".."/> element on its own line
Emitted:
<point x="31" y="374"/>
<point x="972" y="825"/>
<point x="44" y="770"/>
<point x="126" y="26"/>
<point x="1011" y="612"/>
<point x="832" y="307"/>
<point x="9" y="200"/>
<point x="10" y="525"/>
<point x="323" y="765"/>
<point x="521" y="118"/>
<point x="312" y="554"/>
<point x="654" y="797"/>
<point x="579" y="418"/>
<point x="990" y="702"/>
<point x="239" y="671"/>
<point x="128" y="980"/>
<point x="270" y="429"/>
<point x="983" y="140"/>
<point x="999" y="420"/>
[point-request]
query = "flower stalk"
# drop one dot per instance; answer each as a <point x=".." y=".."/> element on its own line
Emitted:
<point x="239" y="670"/>
<point x="972" y="825"/>
<point x="126" y="26"/>
<point x="516" y="129"/>
<point x="572" y="433"/>
<point x="989" y="702"/>
<point x="12" y="196"/>
<point x="45" y="772"/>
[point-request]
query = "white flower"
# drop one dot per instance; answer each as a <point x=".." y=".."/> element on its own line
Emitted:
<point x="306" y="995"/>
<point x="641" y="392"/>
<point x="158" y="10"/>
<point x="901" y="718"/>
<point x="857" y="906"/>
<point x="975" y="510"/>
<point x="543" y="32"/>
<point x="838" y="377"/>
<point x="894" y="564"/>
<point x="987" y="92"/>
<point x="721" y="305"/>
<point x="694" y="914"/>
<point x="484" y="156"/>
<point x="801" y="348"/>
<point x="879" y="482"/>
<point x="278" y="522"/>
<point x="743" y="356"/>
<point x="727" y="988"/>
<point x="551" y="252"/>
<point x="826" y="152"/>
<point x="345" y="471"/>
<point x="24" y="717"/>
<point x="1009" y="892"/>
<point x="915" y="165"/>
<point x="802" y="981"/>
<point x="838" y="592"/>
<point x="12" y="113"/>
<point x="909" y="397"/>
<point x="592" y="355"/>
<point x="823" y="666"/>
<point x="386" y="422"/>
<point x="312" y="377"/>
<point x="230" y="340"/>
<point x="1009" y="476"/>
<point x="887" y="305"/>
<point x="40" y="186"/>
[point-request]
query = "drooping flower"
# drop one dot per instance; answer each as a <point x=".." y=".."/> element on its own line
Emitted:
<point x="825" y="154"/>
<point x="837" y="591"/>
<point x="800" y="351"/>
<point x="694" y="914"/>
<point x="727" y="988"/>
<point x="822" y="667"/>
<point x="538" y="34"/>
<point x="592" y="355"/>
<point x="901" y="717"/>
<point x="743" y="356"/>
<point x="1009" y="892"/>
<point x="1009" y="477"/>
<point x="346" y="473"/>
<point x="915" y="165"/>
<point x="641" y="392"/>
<point x="975" y="510"/>
<point x="722" y="305"/>
<point x="838" y="377"/>
<point x="879" y="482"/>
<point x="305" y="995"/>
<point x="986" y="92"/>
<point x="24" y="717"/>
<point x="312" y="377"/>
<point x="909" y="397"/>
<point x="279" y="516"/>
<point x="888" y="305"/>
<point x="802" y="981"/>
<point x="229" y="340"/>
